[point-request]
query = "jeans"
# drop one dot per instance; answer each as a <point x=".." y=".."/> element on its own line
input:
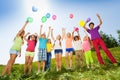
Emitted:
<point x="47" y="65"/>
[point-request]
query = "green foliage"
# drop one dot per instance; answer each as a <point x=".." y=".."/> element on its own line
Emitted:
<point x="118" y="32"/>
<point x="106" y="72"/>
<point x="109" y="40"/>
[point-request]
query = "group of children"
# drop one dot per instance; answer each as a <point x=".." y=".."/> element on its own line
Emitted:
<point x="72" y="43"/>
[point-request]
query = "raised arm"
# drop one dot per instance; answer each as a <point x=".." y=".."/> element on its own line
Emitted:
<point x="25" y="37"/>
<point x="86" y="33"/>
<point x="49" y="32"/>
<point x="78" y="34"/>
<point x="100" y="20"/>
<point x="22" y="29"/>
<point x="40" y="30"/>
<point x="36" y="36"/>
<point x="63" y="33"/>
<point x="52" y="35"/>
<point x="85" y="26"/>
<point x="73" y="34"/>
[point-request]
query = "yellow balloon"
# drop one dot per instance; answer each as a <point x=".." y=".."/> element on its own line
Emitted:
<point x="81" y="23"/>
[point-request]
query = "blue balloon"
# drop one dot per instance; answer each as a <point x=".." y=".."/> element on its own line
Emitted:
<point x="34" y="9"/>
<point x="48" y="15"/>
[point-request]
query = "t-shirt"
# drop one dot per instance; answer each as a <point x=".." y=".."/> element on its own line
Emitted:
<point x="31" y="45"/>
<point x="17" y="44"/>
<point x="49" y="47"/>
<point x="57" y="44"/>
<point x="42" y="43"/>
<point x="94" y="33"/>
<point x="68" y="42"/>
<point x="77" y="45"/>
<point x="86" y="46"/>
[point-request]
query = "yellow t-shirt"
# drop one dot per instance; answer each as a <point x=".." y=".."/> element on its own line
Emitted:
<point x="49" y="47"/>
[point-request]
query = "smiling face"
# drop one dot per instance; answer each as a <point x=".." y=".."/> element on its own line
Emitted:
<point x="91" y="25"/>
<point x="68" y="35"/>
<point x="32" y="37"/>
<point x="43" y="35"/>
<point x="58" y="37"/>
<point x="85" y="38"/>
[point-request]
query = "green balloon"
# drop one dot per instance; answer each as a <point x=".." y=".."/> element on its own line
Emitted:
<point x="44" y="19"/>
<point x="29" y="19"/>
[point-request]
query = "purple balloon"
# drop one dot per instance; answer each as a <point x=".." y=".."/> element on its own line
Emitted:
<point x="88" y="19"/>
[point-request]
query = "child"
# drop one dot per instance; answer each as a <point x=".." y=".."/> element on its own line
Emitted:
<point x="57" y="50"/>
<point x="97" y="41"/>
<point x="49" y="55"/>
<point x="69" y="48"/>
<point x="42" y="55"/>
<point x="86" y="45"/>
<point x="29" y="55"/>
<point x="78" y="50"/>
<point x="15" y="50"/>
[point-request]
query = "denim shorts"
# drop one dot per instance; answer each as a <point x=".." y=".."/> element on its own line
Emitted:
<point x="14" y="52"/>
<point x="69" y="50"/>
<point x="58" y="51"/>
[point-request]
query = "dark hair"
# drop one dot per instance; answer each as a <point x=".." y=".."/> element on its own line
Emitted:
<point x="76" y="37"/>
<point x="35" y="38"/>
<point x="91" y="23"/>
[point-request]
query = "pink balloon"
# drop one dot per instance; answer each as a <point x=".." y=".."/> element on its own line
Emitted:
<point x="71" y="16"/>
<point x="76" y="29"/>
<point x="54" y="17"/>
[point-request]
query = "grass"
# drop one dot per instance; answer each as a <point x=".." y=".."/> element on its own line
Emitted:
<point x="107" y="72"/>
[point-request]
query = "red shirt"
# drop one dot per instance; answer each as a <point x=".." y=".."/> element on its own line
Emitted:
<point x="31" y="45"/>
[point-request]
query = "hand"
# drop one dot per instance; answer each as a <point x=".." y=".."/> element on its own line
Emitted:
<point x="26" y="22"/>
<point x="20" y="55"/>
<point x="49" y="27"/>
<point x="63" y="28"/>
<point x="98" y="15"/>
<point x="28" y="33"/>
<point x="41" y="26"/>
<point x="36" y="34"/>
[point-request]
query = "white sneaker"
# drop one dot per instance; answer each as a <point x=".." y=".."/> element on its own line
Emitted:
<point x="38" y="72"/>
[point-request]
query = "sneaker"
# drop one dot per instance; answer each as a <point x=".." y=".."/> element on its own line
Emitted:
<point x="38" y="72"/>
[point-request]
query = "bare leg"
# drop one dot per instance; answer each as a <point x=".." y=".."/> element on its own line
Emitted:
<point x="30" y="64"/>
<point x="26" y="63"/>
<point x="60" y="61"/>
<point x="71" y="57"/>
<point x="67" y="56"/>
<point x="43" y="67"/>
<point x="56" y="58"/>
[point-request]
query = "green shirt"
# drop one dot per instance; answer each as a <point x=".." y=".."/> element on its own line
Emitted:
<point x="17" y="44"/>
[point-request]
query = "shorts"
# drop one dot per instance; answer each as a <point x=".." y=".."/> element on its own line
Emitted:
<point x="58" y="51"/>
<point x="69" y="50"/>
<point x="42" y="55"/>
<point x="14" y="52"/>
<point x="31" y="54"/>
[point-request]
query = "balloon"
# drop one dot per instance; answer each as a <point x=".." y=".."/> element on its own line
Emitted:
<point x="29" y="19"/>
<point x="71" y="16"/>
<point x="54" y="17"/>
<point x="44" y="19"/>
<point x="48" y="15"/>
<point x="76" y="29"/>
<point x="34" y="9"/>
<point x="88" y="20"/>
<point x="81" y="23"/>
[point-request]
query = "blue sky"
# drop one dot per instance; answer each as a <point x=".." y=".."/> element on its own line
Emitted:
<point x="13" y="14"/>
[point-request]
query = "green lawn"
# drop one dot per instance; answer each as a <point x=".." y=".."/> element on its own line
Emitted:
<point x="108" y="72"/>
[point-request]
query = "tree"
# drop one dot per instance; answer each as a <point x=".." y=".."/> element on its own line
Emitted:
<point x="109" y="40"/>
<point x="118" y="31"/>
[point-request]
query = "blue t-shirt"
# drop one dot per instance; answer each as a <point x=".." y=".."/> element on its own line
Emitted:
<point x="42" y="43"/>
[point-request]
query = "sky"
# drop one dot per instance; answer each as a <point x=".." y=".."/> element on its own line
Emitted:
<point x="13" y="14"/>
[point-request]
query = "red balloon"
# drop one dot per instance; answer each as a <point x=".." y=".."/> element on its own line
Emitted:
<point x="71" y="16"/>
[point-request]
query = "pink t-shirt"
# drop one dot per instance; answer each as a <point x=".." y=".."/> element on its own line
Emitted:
<point x="86" y="46"/>
<point x="31" y="45"/>
<point x="68" y="42"/>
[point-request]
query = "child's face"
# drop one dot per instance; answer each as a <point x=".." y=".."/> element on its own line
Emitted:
<point x="49" y="41"/>
<point x="58" y="37"/>
<point x="85" y="38"/>
<point x="32" y="37"/>
<point x="91" y="26"/>
<point x="76" y="38"/>
<point x="43" y="36"/>
<point x="68" y="35"/>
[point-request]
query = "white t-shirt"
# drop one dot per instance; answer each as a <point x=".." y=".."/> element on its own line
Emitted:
<point x="57" y="44"/>
<point x="77" y="45"/>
